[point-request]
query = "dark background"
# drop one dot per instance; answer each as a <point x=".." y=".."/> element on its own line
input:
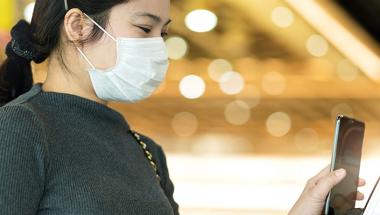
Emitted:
<point x="366" y="13"/>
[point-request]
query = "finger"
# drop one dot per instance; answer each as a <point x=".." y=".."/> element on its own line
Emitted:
<point x="324" y="185"/>
<point x="359" y="196"/>
<point x="325" y="171"/>
<point x="312" y="181"/>
<point x="361" y="182"/>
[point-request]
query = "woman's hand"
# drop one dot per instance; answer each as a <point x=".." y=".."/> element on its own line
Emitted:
<point x="313" y="197"/>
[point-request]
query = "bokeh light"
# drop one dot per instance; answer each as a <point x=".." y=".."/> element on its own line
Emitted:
<point x="177" y="47"/>
<point x="201" y="20"/>
<point x="278" y="124"/>
<point x="317" y="46"/>
<point x="231" y="83"/>
<point x="219" y="144"/>
<point x="184" y="124"/>
<point x="274" y="83"/>
<point x="28" y="11"/>
<point x="237" y="112"/>
<point x="347" y="71"/>
<point x="192" y="87"/>
<point x="282" y="17"/>
<point x="217" y="68"/>
<point x="342" y="109"/>
<point x="307" y="140"/>
<point x="250" y="95"/>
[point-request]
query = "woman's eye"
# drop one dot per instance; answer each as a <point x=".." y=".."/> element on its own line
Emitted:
<point x="146" y="30"/>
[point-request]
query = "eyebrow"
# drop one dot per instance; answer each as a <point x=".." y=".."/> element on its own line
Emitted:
<point x="155" y="18"/>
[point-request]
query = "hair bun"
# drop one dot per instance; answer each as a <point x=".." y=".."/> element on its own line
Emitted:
<point x="21" y="44"/>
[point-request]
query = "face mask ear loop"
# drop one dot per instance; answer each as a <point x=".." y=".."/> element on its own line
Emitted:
<point x="101" y="28"/>
<point x="66" y="5"/>
<point x="84" y="56"/>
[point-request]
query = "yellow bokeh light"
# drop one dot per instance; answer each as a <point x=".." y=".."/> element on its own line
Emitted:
<point x="317" y="46"/>
<point x="347" y="71"/>
<point x="307" y="140"/>
<point x="278" y="124"/>
<point x="273" y="83"/>
<point x="177" y="48"/>
<point x="342" y="109"/>
<point x="217" y="68"/>
<point x="282" y="17"/>
<point x="231" y="83"/>
<point x="250" y="95"/>
<point x="237" y="113"/>
<point x="184" y="124"/>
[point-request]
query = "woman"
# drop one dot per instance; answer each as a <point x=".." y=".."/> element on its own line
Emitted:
<point x="62" y="149"/>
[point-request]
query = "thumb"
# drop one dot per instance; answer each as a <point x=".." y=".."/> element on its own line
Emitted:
<point x="326" y="183"/>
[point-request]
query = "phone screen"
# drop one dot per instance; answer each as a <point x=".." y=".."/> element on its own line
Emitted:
<point x="347" y="153"/>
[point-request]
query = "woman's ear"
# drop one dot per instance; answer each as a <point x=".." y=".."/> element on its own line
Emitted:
<point x="77" y="26"/>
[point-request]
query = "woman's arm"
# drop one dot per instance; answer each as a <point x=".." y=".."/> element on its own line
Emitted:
<point x="22" y="169"/>
<point x="166" y="182"/>
<point x="313" y="197"/>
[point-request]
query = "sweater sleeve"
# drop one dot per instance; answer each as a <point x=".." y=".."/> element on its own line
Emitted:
<point x="22" y="161"/>
<point x="166" y="182"/>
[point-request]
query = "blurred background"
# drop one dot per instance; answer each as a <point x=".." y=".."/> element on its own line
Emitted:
<point x="247" y="112"/>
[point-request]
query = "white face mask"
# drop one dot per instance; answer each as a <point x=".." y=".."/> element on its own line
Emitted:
<point x="140" y="68"/>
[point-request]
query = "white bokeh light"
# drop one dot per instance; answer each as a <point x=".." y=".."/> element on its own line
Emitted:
<point x="177" y="47"/>
<point x="282" y="17"/>
<point x="237" y="112"/>
<point x="231" y="83"/>
<point x="317" y="45"/>
<point x="217" y="68"/>
<point x="192" y="87"/>
<point x="278" y="124"/>
<point x="201" y="20"/>
<point x="28" y="11"/>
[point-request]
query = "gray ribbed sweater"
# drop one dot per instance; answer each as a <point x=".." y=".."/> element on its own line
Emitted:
<point x="64" y="154"/>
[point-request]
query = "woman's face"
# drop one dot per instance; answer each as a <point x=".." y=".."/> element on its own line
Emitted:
<point x="140" y="18"/>
<point x="137" y="18"/>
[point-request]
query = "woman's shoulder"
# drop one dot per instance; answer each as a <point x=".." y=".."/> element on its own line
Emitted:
<point x="20" y="110"/>
<point x="20" y="119"/>
<point x="24" y="98"/>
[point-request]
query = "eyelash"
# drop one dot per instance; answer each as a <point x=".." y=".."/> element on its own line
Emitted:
<point x="164" y="34"/>
<point x="147" y="31"/>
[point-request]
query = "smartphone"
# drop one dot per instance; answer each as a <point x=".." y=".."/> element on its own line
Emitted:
<point x="346" y="154"/>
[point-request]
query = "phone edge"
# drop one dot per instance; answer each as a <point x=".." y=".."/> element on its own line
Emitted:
<point x="333" y="157"/>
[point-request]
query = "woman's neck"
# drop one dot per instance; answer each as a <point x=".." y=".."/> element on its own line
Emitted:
<point x="70" y="82"/>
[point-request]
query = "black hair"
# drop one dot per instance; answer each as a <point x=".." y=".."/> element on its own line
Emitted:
<point x="37" y="41"/>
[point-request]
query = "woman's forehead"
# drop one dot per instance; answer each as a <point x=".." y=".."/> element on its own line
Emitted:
<point x="157" y="10"/>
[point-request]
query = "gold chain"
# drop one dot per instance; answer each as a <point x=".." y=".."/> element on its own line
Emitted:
<point x="147" y="153"/>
